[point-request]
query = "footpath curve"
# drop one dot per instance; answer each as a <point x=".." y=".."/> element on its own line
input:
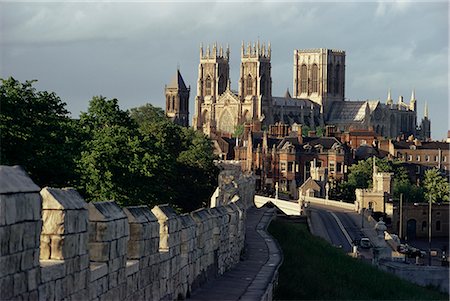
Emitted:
<point x="254" y="276"/>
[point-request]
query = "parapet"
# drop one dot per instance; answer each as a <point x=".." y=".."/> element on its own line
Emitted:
<point x="215" y="53"/>
<point x="100" y="251"/>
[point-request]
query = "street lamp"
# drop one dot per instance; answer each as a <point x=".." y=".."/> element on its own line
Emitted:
<point x="429" y="231"/>
<point x="400" y="231"/>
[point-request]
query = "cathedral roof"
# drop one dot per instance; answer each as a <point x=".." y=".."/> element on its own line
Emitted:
<point x="423" y="145"/>
<point x="177" y="82"/>
<point x="347" y="111"/>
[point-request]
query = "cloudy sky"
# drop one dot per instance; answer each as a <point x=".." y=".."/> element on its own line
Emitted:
<point x="129" y="51"/>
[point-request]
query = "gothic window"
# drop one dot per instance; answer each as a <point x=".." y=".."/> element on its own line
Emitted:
<point x="208" y="86"/>
<point x="205" y="116"/>
<point x="249" y="86"/>
<point x="221" y="84"/>
<point x="337" y="79"/>
<point x="303" y="79"/>
<point x="226" y="124"/>
<point x="315" y="81"/>
<point x="173" y="103"/>
<point x="263" y="85"/>
<point x="330" y="79"/>
<point x="169" y="103"/>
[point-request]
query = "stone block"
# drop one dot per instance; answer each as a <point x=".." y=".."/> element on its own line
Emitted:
<point x="20" y="283"/>
<point x="83" y="243"/>
<point x="122" y="245"/>
<point x="5" y="232"/>
<point x="105" y="211"/>
<point x="84" y="261"/>
<point x="76" y="221"/>
<point x="53" y="222"/>
<point x="99" y="251"/>
<point x="135" y="249"/>
<point x="116" y="264"/>
<point x="10" y="264"/>
<point x="52" y="270"/>
<point x="33" y="279"/>
<point x="32" y="230"/>
<point x="62" y="199"/>
<point x="45" y="247"/>
<point x="16" y="238"/>
<point x="97" y="271"/>
<point x="6" y="287"/>
<point x="27" y="261"/>
<point x="105" y="231"/>
<point x="92" y="231"/>
<point x="113" y="250"/>
<point x="112" y="279"/>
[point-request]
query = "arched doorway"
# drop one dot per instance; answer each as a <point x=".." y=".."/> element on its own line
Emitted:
<point x="411" y="229"/>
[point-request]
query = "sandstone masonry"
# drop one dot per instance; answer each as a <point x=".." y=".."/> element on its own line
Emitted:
<point x="55" y="246"/>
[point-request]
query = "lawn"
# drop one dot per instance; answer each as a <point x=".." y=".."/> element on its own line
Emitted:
<point x="314" y="270"/>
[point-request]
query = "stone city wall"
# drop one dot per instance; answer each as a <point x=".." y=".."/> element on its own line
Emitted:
<point x="56" y="246"/>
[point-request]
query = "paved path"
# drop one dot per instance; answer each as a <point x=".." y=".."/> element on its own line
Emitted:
<point x="249" y="279"/>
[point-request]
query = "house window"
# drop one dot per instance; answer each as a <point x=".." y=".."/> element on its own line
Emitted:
<point x="418" y="158"/>
<point x="283" y="166"/>
<point x="409" y="157"/>
<point x="438" y="225"/>
<point x="331" y="167"/>
<point x="424" y="225"/>
<point x="436" y="159"/>
<point x="338" y="167"/>
<point x="418" y="169"/>
<point x="444" y="159"/>
<point x="290" y="166"/>
<point x="427" y="158"/>
<point x="438" y="213"/>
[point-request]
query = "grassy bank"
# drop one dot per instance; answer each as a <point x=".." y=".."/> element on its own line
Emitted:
<point x="314" y="270"/>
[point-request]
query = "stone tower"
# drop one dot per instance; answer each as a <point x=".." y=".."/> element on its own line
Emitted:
<point x="177" y="100"/>
<point x="319" y="75"/>
<point x="424" y="131"/>
<point x="255" y="83"/>
<point x="213" y="77"/>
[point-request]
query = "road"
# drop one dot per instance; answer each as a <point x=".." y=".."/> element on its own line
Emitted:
<point x="340" y="226"/>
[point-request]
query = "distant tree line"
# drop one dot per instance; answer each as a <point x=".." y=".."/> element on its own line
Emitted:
<point x="433" y="186"/>
<point x="136" y="157"/>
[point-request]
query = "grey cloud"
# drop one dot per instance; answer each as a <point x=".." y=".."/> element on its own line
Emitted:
<point x="130" y="50"/>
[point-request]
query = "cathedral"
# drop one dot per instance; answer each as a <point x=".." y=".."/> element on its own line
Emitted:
<point x="318" y="96"/>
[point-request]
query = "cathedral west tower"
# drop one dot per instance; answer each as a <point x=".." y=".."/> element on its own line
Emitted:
<point x="213" y="78"/>
<point x="255" y="83"/>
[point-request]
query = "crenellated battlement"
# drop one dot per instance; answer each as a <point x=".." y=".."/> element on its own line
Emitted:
<point x="214" y="52"/>
<point x="320" y="50"/>
<point x="257" y="50"/>
<point x="57" y="246"/>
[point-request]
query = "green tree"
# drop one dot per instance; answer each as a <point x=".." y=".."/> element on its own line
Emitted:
<point x="436" y="187"/>
<point x="37" y="133"/>
<point x="117" y="162"/>
<point x="238" y="131"/>
<point x="190" y="175"/>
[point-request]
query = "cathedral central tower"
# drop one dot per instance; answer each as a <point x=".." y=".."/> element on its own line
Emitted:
<point x="319" y="75"/>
